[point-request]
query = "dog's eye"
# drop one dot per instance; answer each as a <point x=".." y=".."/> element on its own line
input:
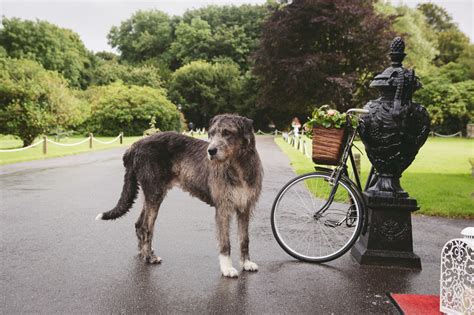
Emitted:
<point x="226" y="133"/>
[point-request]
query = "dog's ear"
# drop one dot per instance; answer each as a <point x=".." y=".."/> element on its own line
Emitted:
<point x="212" y="121"/>
<point x="248" y="131"/>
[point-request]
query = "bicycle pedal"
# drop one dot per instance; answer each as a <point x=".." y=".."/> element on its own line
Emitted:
<point x="331" y="223"/>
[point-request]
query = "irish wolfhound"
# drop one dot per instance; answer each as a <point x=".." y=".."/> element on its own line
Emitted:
<point x="225" y="172"/>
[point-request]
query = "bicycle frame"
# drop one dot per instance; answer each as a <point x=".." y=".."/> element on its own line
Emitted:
<point x="341" y="168"/>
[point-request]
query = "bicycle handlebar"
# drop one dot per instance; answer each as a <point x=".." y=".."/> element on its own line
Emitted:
<point x="357" y="111"/>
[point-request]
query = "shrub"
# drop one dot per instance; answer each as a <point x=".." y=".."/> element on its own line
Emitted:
<point x="118" y="107"/>
<point x="34" y="101"/>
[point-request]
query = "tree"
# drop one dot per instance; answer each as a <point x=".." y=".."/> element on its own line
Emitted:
<point x="106" y="72"/>
<point x="53" y="47"/>
<point x="420" y="39"/>
<point x="312" y="52"/>
<point x="209" y="33"/>
<point x="192" y="42"/>
<point x="436" y="16"/>
<point x="146" y="35"/>
<point x="467" y="60"/>
<point x="448" y="94"/>
<point x="249" y="17"/>
<point x="33" y="100"/>
<point x="118" y="107"/>
<point x="206" y="89"/>
<point x="107" y="55"/>
<point x="450" y="105"/>
<point x="235" y="30"/>
<point x="452" y="42"/>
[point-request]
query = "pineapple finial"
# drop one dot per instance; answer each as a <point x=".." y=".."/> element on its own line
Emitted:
<point x="397" y="51"/>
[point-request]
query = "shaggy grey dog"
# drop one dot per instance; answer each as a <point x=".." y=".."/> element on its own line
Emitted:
<point x="225" y="172"/>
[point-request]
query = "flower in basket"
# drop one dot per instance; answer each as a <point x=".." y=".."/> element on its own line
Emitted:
<point x="328" y="128"/>
<point x="329" y="118"/>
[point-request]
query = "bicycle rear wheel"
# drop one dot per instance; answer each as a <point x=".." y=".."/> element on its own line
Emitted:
<point x="308" y="233"/>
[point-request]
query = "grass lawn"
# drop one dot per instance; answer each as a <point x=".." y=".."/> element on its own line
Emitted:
<point x="439" y="178"/>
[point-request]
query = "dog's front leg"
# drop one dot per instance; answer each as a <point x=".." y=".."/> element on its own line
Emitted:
<point x="223" y="217"/>
<point x="243" y="226"/>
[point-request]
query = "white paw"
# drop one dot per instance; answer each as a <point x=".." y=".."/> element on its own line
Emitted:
<point x="249" y="265"/>
<point x="226" y="267"/>
<point x="230" y="272"/>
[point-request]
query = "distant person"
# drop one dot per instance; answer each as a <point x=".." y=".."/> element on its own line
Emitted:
<point x="296" y="125"/>
<point x="191" y="126"/>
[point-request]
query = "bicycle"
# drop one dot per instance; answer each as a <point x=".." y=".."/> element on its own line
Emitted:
<point x="324" y="207"/>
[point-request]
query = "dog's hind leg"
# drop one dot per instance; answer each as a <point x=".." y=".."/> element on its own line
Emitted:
<point x="223" y="217"/>
<point x="243" y="219"/>
<point x="138" y="225"/>
<point x="144" y="228"/>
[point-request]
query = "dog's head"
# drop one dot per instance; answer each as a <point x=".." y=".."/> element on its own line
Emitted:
<point x="229" y="136"/>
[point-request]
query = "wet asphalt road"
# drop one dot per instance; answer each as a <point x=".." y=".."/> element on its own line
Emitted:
<point x="55" y="258"/>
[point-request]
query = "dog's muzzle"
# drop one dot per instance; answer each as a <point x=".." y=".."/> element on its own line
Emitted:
<point x="212" y="153"/>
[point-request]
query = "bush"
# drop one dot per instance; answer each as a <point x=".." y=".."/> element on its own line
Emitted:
<point x="206" y="89"/>
<point x="34" y="101"/>
<point x="450" y="104"/>
<point x="119" y="108"/>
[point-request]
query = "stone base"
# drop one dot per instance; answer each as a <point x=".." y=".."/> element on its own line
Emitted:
<point x="388" y="258"/>
<point x="387" y="237"/>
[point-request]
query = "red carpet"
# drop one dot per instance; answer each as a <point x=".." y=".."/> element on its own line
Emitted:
<point x="416" y="304"/>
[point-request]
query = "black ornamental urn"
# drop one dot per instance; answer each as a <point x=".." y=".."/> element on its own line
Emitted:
<point x="392" y="132"/>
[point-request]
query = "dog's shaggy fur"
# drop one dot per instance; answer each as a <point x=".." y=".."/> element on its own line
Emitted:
<point x="225" y="172"/>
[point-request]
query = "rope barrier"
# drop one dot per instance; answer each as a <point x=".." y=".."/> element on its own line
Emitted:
<point x="105" y="142"/>
<point x="68" y="144"/>
<point x="457" y="134"/>
<point x="90" y="138"/>
<point x="260" y="132"/>
<point x="25" y="148"/>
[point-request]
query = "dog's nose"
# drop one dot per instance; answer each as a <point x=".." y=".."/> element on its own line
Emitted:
<point x="212" y="152"/>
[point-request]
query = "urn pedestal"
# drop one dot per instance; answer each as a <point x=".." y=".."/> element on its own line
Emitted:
<point x="387" y="240"/>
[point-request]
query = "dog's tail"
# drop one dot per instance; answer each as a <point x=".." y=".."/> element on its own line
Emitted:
<point x="129" y="190"/>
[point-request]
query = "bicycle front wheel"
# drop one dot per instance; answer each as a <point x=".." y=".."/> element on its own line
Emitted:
<point x="316" y="221"/>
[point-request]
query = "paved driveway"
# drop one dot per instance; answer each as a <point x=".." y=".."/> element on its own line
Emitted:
<point x="55" y="258"/>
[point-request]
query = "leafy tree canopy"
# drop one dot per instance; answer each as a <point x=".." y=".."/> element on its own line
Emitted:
<point x="312" y="52"/>
<point x="452" y="42"/>
<point x="109" y="71"/>
<point x="235" y="30"/>
<point x="33" y="101"/>
<point x="192" y="41"/>
<point x="436" y="16"/>
<point x="206" y="89"/>
<point x="118" y="107"/>
<point x="146" y="35"/>
<point x="420" y="39"/>
<point x="450" y="103"/>
<point x="106" y="55"/>
<point x="55" y="48"/>
<point x="208" y="33"/>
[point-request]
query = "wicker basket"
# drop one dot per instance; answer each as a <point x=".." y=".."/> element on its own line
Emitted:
<point x="328" y="144"/>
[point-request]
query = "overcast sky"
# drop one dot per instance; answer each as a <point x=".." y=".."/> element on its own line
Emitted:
<point x="92" y="20"/>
